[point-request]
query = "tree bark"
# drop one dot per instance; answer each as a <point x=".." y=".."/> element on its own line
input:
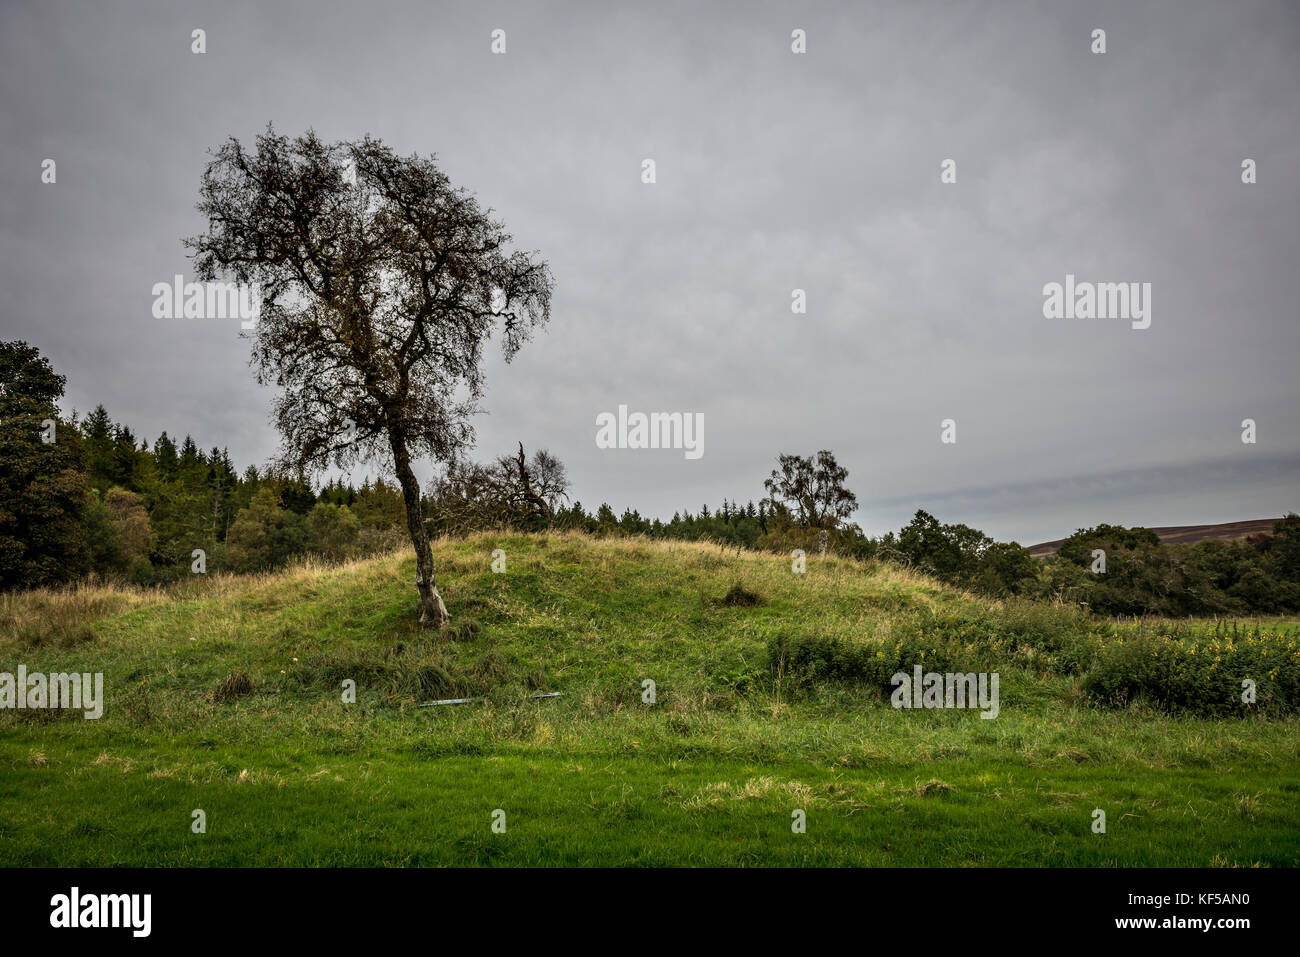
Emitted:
<point x="432" y="610"/>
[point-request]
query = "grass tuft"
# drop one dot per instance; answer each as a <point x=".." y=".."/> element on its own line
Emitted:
<point x="237" y="684"/>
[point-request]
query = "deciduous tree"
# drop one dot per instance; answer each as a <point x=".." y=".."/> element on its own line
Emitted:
<point x="381" y="283"/>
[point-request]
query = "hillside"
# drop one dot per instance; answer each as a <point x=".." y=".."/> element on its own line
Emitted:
<point x="1186" y="534"/>
<point x="223" y="695"/>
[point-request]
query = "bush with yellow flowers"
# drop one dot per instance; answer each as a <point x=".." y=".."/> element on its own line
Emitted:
<point x="1201" y="674"/>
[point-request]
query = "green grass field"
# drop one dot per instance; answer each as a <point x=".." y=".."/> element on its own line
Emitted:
<point x="287" y="773"/>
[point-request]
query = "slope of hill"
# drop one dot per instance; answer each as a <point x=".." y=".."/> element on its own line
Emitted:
<point x="695" y="719"/>
<point x="1185" y="534"/>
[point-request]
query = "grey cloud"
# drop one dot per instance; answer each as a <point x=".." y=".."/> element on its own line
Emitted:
<point x="775" y="172"/>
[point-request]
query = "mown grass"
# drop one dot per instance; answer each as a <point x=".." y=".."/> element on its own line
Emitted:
<point x="226" y="695"/>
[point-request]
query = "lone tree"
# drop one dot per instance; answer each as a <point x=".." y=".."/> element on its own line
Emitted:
<point x="810" y="490"/>
<point x="380" y="285"/>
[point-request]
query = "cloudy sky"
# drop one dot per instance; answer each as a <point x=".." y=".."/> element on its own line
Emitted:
<point x="775" y="171"/>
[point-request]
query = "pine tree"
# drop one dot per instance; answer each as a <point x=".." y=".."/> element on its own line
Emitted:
<point x="164" y="454"/>
<point x="125" y="459"/>
<point x="43" y="484"/>
<point x="97" y="431"/>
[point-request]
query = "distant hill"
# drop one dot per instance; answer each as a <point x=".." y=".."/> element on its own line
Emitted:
<point x="1186" y="534"/>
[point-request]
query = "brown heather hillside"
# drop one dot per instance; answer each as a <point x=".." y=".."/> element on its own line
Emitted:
<point x="1186" y="534"/>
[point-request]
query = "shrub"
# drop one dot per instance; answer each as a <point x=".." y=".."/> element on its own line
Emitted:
<point x="1200" y="674"/>
<point x="1065" y="634"/>
<point x="936" y="642"/>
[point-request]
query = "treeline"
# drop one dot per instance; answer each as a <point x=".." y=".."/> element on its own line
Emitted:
<point x="157" y="513"/>
<point x="83" y="497"/>
<point x="154" y="513"/>
<point x="1114" y="570"/>
<point x="86" y="497"/>
<point x="1140" y="575"/>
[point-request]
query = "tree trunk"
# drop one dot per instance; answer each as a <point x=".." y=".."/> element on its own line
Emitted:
<point x="432" y="610"/>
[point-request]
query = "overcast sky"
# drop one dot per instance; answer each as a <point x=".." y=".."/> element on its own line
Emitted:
<point x="775" y="171"/>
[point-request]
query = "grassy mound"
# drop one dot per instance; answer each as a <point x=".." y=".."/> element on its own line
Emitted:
<point x="705" y="694"/>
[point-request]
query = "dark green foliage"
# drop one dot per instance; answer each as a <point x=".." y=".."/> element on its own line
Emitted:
<point x="1283" y="549"/>
<point x="43" y="489"/>
<point x="1112" y="538"/>
<point x="1144" y="577"/>
<point x="810" y="492"/>
<point x="334" y="531"/>
<point x="962" y="556"/>
<point x="265" y="535"/>
<point x="97" y="501"/>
